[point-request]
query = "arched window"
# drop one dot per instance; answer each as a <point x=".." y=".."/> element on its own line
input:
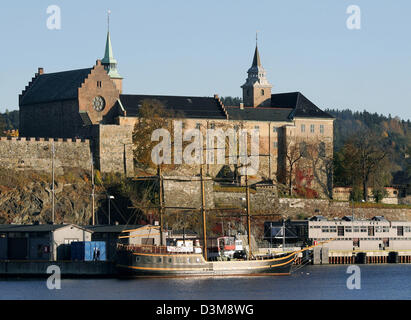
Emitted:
<point x="262" y="92"/>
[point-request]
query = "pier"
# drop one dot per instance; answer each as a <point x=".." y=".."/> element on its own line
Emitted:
<point x="32" y="268"/>
<point x="323" y="256"/>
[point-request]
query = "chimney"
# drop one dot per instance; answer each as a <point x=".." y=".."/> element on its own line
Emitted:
<point x="241" y="106"/>
<point x="40" y="71"/>
<point x="98" y="62"/>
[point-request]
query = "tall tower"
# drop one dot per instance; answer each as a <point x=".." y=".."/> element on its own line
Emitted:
<point x="109" y="63"/>
<point x="256" y="89"/>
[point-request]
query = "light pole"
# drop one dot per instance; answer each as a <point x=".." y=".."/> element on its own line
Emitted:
<point x="109" y="198"/>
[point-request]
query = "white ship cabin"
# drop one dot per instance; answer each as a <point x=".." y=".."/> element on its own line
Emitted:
<point x="374" y="234"/>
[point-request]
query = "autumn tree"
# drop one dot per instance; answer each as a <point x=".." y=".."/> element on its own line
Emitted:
<point x="152" y="115"/>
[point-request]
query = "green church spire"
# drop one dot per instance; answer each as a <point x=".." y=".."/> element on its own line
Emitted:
<point x="109" y="63"/>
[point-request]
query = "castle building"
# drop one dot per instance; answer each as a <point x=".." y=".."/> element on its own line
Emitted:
<point x="90" y="104"/>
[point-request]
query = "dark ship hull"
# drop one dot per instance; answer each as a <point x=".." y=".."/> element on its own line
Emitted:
<point x="173" y="265"/>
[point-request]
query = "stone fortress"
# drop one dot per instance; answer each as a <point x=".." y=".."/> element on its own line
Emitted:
<point x="87" y="115"/>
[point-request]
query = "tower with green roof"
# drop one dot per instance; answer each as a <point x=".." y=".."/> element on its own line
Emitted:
<point x="109" y="62"/>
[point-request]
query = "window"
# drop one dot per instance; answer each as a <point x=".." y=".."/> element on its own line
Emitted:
<point x="407" y="229"/>
<point x="303" y="128"/>
<point x="356" y="229"/>
<point x="312" y="128"/>
<point x="257" y="127"/>
<point x="69" y="241"/>
<point x="275" y="129"/>
<point x="363" y="229"/>
<point x="275" y="144"/>
<point x="348" y="229"/>
<point x="324" y="229"/>
<point x="333" y="229"/>
<point x="198" y="126"/>
<point x="262" y="92"/>
<point x="321" y="128"/>
<point x="98" y="84"/>
<point x="212" y="126"/>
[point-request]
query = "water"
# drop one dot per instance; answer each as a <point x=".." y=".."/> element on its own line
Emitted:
<point x="310" y="282"/>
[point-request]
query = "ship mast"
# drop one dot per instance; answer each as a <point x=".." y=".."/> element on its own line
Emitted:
<point x="203" y="212"/>
<point x="161" y="207"/>
<point x="247" y="188"/>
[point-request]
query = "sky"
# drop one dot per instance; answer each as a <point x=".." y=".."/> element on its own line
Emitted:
<point x="202" y="48"/>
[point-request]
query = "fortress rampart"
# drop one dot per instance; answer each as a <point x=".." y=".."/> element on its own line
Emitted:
<point x="21" y="153"/>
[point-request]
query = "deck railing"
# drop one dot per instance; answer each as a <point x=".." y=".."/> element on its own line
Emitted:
<point x="151" y="249"/>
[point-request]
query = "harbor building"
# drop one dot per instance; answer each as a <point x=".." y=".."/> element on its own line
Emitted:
<point x="347" y="234"/>
<point x="40" y="242"/>
<point x="374" y="234"/>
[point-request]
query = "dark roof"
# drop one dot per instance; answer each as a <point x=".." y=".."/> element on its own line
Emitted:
<point x="33" y="227"/>
<point x="256" y="60"/>
<point x="347" y="218"/>
<point x="379" y="218"/>
<point x="113" y="229"/>
<point x="302" y="107"/>
<point x="55" y="86"/>
<point x="188" y="107"/>
<point x="259" y="113"/>
<point x="318" y="218"/>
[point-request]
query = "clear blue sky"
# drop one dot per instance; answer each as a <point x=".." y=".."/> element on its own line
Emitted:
<point x="189" y="47"/>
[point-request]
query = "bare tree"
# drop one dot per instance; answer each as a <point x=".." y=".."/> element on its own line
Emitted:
<point x="365" y="157"/>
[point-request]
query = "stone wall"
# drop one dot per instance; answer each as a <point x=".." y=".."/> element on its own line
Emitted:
<point x="113" y="148"/>
<point x="36" y="154"/>
<point x="186" y="192"/>
<point x="334" y="209"/>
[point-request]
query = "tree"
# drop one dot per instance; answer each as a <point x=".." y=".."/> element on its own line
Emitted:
<point x="320" y="156"/>
<point x="294" y="150"/>
<point x="152" y="115"/>
<point x="365" y="161"/>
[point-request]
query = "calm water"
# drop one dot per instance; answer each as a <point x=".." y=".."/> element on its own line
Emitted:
<point x="310" y="282"/>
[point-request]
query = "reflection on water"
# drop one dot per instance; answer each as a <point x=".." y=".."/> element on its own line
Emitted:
<point x="311" y="282"/>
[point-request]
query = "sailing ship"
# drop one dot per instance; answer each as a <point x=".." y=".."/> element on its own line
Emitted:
<point x="174" y="261"/>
